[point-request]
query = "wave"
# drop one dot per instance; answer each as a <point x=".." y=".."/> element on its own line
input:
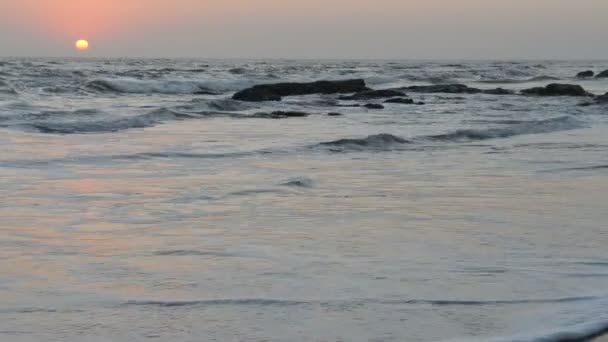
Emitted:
<point x="584" y="332"/>
<point x="218" y="302"/>
<point x="530" y="127"/>
<point x="357" y="302"/>
<point x="299" y="182"/>
<point x="5" y="88"/>
<point x="182" y="252"/>
<point x="517" y="81"/>
<point x="107" y="126"/>
<point x="580" y="168"/>
<point x="228" y="105"/>
<point x="169" y="87"/>
<point x="492" y="302"/>
<point x="391" y="142"/>
<point x="372" y="142"/>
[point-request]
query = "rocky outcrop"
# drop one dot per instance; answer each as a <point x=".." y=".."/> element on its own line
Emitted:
<point x="275" y="92"/>
<point x="373" y="106"/>
<point x="603" y="74"/>
<point x="557" y="89"/>
<point x="585" y="74"/>
<point x="498" y="91"/>
<point x="444" y="88"/>
<point x="373" y="94"/>
<point x="400" y="100"/>
<point x="280" y="115"/>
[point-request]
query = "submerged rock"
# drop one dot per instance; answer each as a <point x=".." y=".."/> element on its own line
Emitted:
<point x="557" y="89"/>
<point x="274" y="92"/>
<point x="585" y="74"/>
<point x="498" y="91"/>
<point x="280" y="115"/>
<point x="445" y="88"/>
<point x="373" y="94"/>
<point x="373" y="106"/>
<point x="603" y="74"/>
<point x="400" y="100"/>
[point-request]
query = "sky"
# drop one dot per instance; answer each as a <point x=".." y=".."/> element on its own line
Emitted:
<point x="357" y="29"/>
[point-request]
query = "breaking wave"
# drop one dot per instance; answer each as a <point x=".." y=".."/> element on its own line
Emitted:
<point x="385" y="141"/>
<point x="530" y="127"/>
<point x="107" y="126"/>
<point x="169" y="87"/>
<point x="373" y="142"/>
<point x="516" y="81"/>
<point x="584" y="332"/>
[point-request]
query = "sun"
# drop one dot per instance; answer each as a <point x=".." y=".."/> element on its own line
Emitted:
<point x="82" y="45"/>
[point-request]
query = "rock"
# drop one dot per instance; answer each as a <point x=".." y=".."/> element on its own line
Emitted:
<point x="373" y="94"/>
<point x="598" y="100"/>
<point x="445" y="88"/>
<point x="400" y="100"/>
<point x="334" y="114"/>
<point x="603" y="74"/>
<point x="498" y="91"/>
<point x="354" y="105"/>
<point x="274" y="92"/>
<point x="557" y="89"/>
<point x="280" y="115"/>
<point x="237" y="71"/>
<point x="585" y="74"/>
<point x="373" y="106"/>
<point x="602" y="99"/>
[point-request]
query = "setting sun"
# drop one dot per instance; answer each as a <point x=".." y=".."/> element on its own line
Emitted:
<point x="82" y="45"/>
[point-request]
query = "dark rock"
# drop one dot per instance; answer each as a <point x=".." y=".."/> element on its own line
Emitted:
<point x="373" y="94"/>
<point x="374" y="106"/>
<point x="280" y="115"/>
<point x="237" y="71"/>
<point x="400" y="100"/>
<point x="602" y="99"/>
<point x="274" y="92"/>
<point x="420" y="103"/>
<point x="445" y="88"/>
<point x="603" y="74"/>
<point x="557" y="89"/>
<point x="598" y="100"/>
<point x="354" y="105"/>
<point x="334" y="114"/>
<point x="498" y="91"/>
<point x="585" y="74"/>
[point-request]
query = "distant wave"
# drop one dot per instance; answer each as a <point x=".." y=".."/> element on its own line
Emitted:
<point x="218" y="302"/>
<point x="5" y="88"/>
<point x="530" y="127"/>
<point x="516" y="81"/>
<point x="372" y="142"/>
<point x="357" y="302"/>
<point x="170" y="87"/>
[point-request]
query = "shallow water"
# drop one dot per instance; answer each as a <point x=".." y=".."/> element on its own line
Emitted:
<point x="134" y="208"/>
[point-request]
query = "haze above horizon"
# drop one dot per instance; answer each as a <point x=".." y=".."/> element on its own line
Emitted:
<point x="382" y="29"/>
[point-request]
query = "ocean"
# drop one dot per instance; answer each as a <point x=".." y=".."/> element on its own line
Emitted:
<point x="140" y="202"/>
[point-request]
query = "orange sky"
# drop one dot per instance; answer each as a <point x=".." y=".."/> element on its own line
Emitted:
<point x="324" y="28"/>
